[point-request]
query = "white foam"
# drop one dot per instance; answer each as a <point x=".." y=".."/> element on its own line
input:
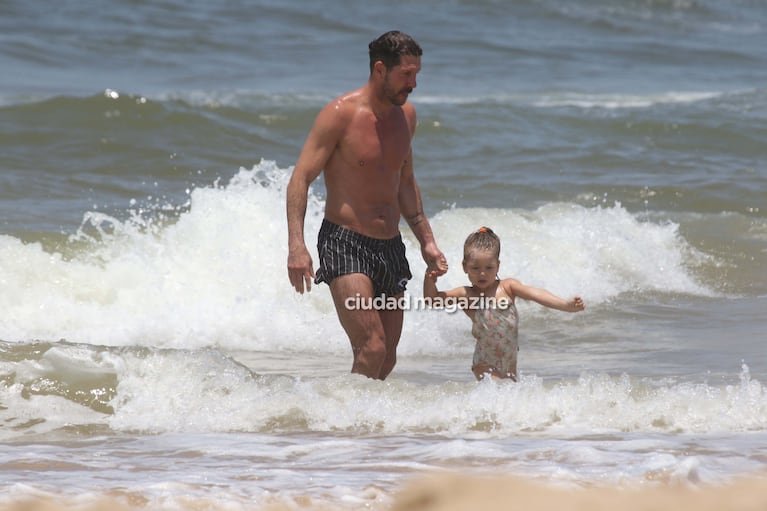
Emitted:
<point x="616" y="101"/>
<point x="217" y="276"/>
<point x="180" y="391"/>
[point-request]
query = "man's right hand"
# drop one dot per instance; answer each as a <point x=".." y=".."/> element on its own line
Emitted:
<point x="300" y="270"/>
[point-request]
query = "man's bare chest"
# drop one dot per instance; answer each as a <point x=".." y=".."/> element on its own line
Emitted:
<point x="378" y="148"/>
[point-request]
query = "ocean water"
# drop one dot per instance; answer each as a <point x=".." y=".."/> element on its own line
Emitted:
<point x="153" y="352"/>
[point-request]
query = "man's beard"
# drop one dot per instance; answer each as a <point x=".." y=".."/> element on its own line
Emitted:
<point x="395" y="97"/>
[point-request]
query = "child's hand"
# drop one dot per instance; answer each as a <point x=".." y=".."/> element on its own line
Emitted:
<point x="433" y="274"/>
<point x="575" y="304"/>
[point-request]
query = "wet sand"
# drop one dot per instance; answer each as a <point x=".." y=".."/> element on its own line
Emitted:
<point x="463" y="493"/>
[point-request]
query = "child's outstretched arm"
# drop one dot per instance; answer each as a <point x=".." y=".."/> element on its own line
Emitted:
<point x="543" y="297"/>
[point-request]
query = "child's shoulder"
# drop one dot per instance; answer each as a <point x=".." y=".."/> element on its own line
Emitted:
<point x="510" y="281"/>
<point x="509" y="285"/>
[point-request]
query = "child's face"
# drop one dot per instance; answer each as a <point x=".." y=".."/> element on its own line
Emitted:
<point x="482" y="268"/>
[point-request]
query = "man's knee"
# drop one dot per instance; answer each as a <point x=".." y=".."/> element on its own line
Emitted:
<point x="370" y="357"/>
<point x="375" y="347"/>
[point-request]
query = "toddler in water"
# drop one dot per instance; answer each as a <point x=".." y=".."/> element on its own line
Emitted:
<point x="489" y="302"/>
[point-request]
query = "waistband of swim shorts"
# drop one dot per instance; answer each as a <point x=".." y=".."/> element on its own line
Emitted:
<point x="328" y="228"/>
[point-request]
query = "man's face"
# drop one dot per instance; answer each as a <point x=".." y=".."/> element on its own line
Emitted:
<point x="399" y="81"/>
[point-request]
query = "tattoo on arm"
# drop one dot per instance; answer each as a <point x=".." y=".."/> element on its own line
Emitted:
<point x="415" y="219"/>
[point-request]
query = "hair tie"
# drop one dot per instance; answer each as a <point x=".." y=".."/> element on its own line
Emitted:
<point x="483" y="229"/>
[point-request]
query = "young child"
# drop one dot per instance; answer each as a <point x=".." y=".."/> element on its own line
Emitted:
<point x="489" y="302"/>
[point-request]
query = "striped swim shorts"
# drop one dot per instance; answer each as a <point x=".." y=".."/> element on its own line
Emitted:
<point x="342" y="251"/>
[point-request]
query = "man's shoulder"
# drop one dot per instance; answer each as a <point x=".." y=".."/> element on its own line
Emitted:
<point x="342" y="108"/>
<point x="408" y="110"/>
<point x="348" y="99"/>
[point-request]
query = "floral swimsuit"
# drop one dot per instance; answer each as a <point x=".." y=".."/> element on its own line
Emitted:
<point x="497" y="344"/>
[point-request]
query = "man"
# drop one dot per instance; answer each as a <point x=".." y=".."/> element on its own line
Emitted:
<point x="362" y="141"/>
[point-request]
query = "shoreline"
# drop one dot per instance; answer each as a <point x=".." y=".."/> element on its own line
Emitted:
<point x="448" y="492"/>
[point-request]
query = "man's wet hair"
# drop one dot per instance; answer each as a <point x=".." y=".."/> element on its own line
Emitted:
<point x="389" y="47"/>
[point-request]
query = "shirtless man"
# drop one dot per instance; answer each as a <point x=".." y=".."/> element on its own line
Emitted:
<point x="362" y="141"/>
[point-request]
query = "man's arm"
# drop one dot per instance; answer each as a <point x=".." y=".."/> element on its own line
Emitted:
<point x="411" y="208"/>
<point x="319" y="145"/>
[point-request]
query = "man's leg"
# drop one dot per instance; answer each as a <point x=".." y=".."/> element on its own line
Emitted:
<point x="363" y="326"/>
<point x="392" y="325"/>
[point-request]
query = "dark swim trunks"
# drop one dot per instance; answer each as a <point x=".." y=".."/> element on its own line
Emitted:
<point x="342" y="251"/>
